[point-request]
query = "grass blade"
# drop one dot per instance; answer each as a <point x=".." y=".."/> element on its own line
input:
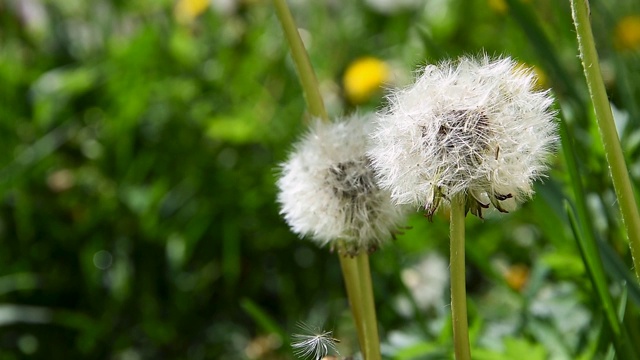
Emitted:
<point x="593" y="263"/>
<point x="264" y="320"/>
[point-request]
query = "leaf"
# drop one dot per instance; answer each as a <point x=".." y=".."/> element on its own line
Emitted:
<point x="263" y="319"/>
<point x="238" y="130"/>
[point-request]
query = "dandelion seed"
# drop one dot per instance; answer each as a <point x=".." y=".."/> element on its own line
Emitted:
<point x="328" y="190"/>
<point x="477" y="127"/>
<point x="314" y="343"/>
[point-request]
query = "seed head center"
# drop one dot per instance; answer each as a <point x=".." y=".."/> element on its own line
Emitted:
<point x="352" y="179"/>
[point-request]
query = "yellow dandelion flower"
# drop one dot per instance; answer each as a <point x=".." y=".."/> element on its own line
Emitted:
<point x="541" y="78"/>
<point x="627" y="33"/>
<point x="187" y="10"/>
<point x="499" y="6"/>
<point x="363" y="78"/>
<point x="517" y="276"/>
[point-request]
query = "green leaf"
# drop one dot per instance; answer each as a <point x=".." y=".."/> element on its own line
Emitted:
<point x="621" y="339"/>
<point x="523" y="349"/>
<point x="422" y="350"/>
<point x="263" y="319"/>
<point x="239" y="129"/>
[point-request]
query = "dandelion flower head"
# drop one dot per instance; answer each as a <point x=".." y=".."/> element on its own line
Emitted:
<point x="188" y="10"/>
<point x="476" y="126"/>
<point x="499" y="6"/>
<point x="363" y="78"/>
<point x="327" y="188"/>
<point x="627" y="33"/>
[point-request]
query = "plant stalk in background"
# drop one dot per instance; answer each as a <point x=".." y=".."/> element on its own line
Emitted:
<point x="606" y="126"/>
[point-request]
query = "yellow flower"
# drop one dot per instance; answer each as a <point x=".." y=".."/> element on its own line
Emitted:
<point x="517" y="276"/>
<point x="363" y="78"/>
<point x="542" y="81"/>
<point x="187" y="10"/>
<point x="499" y="6"/>
<point x="627" y="33"/>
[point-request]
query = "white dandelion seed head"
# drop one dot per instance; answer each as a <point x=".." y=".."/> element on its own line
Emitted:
<point x="476" y="126"/>
<point x="313" y="343"/>
<point x="327" y="188"/>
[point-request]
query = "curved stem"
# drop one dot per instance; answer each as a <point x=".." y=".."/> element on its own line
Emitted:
<point x="607" y="128"/>
<point x="458" y="286"/>
<point x="301" y="59"/>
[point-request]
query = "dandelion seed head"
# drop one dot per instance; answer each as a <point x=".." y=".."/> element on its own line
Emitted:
<point x="328" y="192"/>
<point x="313" y="343"/>
<point x="476" y="126"/>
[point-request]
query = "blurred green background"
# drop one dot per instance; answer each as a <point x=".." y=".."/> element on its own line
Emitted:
<point x="139" y="146"/>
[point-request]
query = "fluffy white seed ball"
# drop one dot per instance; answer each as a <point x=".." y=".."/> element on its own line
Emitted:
<point x="328" y="190"/>
<point x="476" y="126"/>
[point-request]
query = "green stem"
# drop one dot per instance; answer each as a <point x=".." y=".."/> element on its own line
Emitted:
<point x="606" y="126"/>
<point x="351" y="276"/>
<point x="301" y="59"/>
<point x="458" y="286"/>
<point x="371" y="347"/>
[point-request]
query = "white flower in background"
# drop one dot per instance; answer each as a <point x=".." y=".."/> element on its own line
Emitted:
<point x="225" y="7"/>
<point x="427" y="281"/>
<point x="313" y="343"/>
<point x="394" y="6"/>
<point x="328" y="190"/>
<point x="476" y="126"/>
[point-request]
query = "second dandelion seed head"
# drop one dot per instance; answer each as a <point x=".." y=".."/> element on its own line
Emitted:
<point x="328" y="189"/>
<point x="475" y="126"/>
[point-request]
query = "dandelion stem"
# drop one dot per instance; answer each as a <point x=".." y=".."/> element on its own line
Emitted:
<point x="351" y="276"/>
<point x="301" y="59"/>
<point x="458" y="286"/>
<point x="606" y="126"/>
<point x="371" y="347"/>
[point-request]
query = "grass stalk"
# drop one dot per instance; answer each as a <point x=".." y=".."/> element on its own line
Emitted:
<point x="458" y="281"/>
<point x="606" y="126"/>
